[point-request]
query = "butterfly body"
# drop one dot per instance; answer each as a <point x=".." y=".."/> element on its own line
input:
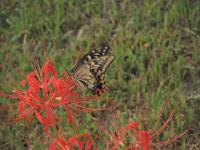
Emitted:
<point x="89" y="71"/>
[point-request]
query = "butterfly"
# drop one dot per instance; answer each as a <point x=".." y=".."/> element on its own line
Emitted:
<point x="89" y="72"/>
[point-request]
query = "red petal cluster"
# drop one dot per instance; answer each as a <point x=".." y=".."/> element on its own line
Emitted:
<point x="44" y="92"/>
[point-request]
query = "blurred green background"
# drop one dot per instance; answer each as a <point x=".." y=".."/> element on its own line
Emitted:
<point x="157" y="65"/>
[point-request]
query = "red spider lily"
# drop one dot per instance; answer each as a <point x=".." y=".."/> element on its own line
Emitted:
<point x="82" y="142"/>
<point x="45" y="92"/>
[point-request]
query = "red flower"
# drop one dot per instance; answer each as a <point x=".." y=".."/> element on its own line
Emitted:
<point x="44" y="92"/>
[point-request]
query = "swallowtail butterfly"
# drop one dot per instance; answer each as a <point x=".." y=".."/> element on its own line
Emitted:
<point x="89" y="72"/>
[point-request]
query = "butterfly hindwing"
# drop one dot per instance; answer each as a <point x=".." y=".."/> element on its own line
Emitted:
<point x="100" y="86"/>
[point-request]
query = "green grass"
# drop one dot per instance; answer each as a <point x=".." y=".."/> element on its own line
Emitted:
<point x="156" y="44"/>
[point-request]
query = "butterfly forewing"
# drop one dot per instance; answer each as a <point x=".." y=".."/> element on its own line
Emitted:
<point x="91" y="55"/>
<point x="95" y="53"/>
